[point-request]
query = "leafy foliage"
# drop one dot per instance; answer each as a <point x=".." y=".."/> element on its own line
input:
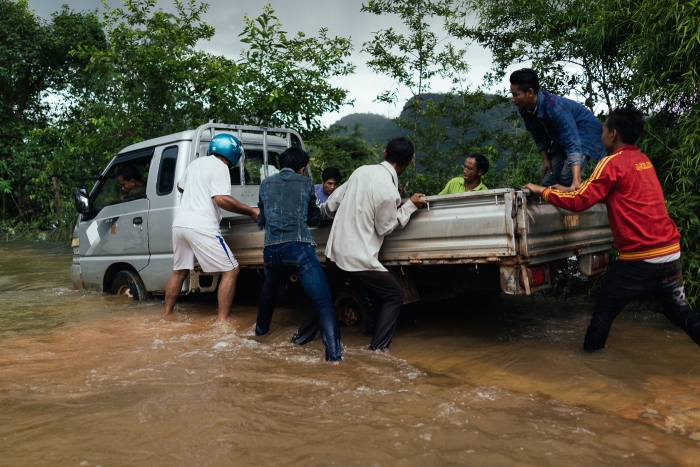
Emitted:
<point x="346" y="153"/>
<point x="285" y="81"/>
<point x="615" y="51"/>
<point x="138" y="75"/>
<point x="35" y="60"/>
<point x="413" y="60"/>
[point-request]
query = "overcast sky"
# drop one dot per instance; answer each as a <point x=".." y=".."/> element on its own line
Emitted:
<point x="341" y="17"/>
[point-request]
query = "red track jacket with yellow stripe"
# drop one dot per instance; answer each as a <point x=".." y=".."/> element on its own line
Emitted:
<point x="626" y="182"/>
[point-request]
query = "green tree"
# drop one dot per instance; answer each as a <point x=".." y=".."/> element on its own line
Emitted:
<point x="346" y="153"/>
<point x="612" y="51"/>
<point x="661" y="41"/>
<point x="285" y="80"/>
<point x="35" y="61"/>
<point x="556" y="36"/>
<point x="140" y="76"/>
<point x="414" y="60"/>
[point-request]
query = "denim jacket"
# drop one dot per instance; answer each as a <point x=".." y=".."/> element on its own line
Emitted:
<point x="287" y="203"/>
<point x="567" y="123"/>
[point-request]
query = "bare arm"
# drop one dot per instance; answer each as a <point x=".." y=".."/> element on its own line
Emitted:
<point x="546" y="164"/>
<point x="231" y="204"/>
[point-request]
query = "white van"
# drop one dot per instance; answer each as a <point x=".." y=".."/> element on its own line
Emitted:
<point x="122" y="243"/>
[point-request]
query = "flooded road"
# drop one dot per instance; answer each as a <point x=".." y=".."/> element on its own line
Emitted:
<point x="89" y="379"/>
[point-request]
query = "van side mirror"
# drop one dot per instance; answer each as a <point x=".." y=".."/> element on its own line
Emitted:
<point x="82" y="203"/>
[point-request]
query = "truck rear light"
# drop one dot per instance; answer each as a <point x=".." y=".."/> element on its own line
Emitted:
<point x="593" y="263"/>
<point x="536" y="276"/>
<point x="599" y="260"/>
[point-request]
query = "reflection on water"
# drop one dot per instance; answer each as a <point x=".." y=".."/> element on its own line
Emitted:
<point x="89" y="379"/>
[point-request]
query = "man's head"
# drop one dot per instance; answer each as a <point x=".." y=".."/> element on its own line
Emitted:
<point x="331" y="180"/>
<point x="294" y="158"/>
<point x="624" y="126"/>
<point x="128" y="177"/>
<point x="475" y="165"/>
<point x="399" y="153"/>
<point x="524" y="86"/>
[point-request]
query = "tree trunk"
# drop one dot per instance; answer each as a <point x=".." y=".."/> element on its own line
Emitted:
<point x="57" y="195"/>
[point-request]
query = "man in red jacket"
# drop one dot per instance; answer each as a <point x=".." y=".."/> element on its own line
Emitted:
<point x="645" y="236"/>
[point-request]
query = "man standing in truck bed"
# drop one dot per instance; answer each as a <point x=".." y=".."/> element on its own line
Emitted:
<point x="206" y="192"/>
<point x="475" y="166"/>
<point x="645" y="236"/>
<point x="367" y="208"/>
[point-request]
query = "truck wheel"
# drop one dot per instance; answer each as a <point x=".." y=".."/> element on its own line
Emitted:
<point x="356" y="308"/>
<point x="129" y="284"/>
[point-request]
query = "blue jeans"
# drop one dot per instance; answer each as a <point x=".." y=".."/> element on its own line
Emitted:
<point x="300" y="259"/>
<point x="561" y="169"/>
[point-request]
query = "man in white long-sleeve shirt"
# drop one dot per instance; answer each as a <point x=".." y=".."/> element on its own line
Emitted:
<point x="367" y="208"/>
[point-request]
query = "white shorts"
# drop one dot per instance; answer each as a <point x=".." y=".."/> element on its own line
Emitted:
<point x="210" y="250"/>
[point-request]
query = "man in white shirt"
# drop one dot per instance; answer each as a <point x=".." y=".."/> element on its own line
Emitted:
<point x="367" y="208"/>
<point x="206" y="192"/>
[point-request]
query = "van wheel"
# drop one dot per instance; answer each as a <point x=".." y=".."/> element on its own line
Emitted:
<point x="356" y="308"/>
<point x="129" y="284"/>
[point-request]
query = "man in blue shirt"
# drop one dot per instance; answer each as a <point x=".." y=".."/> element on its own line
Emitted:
<point x="331" y="181"/>
<point x="566" y="133"/>
<point x="287" y="207"/>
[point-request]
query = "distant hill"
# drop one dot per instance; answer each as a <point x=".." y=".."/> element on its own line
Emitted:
<point x="379" y="129"/>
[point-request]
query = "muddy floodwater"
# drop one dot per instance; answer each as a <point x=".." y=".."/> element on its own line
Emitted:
<point x="88" y="379"/>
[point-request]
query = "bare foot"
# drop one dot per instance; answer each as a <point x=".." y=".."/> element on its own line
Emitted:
<point x="224" y="319"/>
<point x="335" y="363"/>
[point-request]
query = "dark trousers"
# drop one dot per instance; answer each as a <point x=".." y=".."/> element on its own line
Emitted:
<point x="381" y="284"/>
<point x="629" y="280"/>
<point x="300" y="259"/>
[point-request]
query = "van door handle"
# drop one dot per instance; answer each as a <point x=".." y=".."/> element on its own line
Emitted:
<point x="138" y="220"/>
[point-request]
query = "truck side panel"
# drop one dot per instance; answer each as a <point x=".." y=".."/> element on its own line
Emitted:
<point x="551" y="233"/>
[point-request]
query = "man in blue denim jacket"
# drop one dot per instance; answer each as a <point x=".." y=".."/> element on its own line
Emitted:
<point x="287" y="207"/>
<point x="566" y="133"/>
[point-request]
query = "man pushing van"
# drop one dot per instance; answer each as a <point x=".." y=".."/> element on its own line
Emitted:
<point x="206" y="192"/>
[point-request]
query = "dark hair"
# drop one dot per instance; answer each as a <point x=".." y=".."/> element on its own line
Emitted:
<point x="482" y="163"/>
<point x="294" y="158"/>
<point x="332" y="172"/>
<point x="525" y="78"/>
<point x="399" y="151"/>
<point x="129" y="172"/>
<point x="628" y="121"/>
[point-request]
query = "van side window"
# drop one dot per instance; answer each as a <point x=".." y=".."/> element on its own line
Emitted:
<point x="166" y="171"/>
<point x="125" y="181"/>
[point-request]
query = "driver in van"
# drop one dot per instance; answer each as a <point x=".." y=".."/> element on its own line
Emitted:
<point x="129" y="178"/>
<point x="206" y="192"/>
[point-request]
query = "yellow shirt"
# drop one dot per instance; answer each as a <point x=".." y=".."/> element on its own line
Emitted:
<point x="456" y="185"/>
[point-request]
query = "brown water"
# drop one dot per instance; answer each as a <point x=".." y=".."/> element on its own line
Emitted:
<point x="89" y="379"/>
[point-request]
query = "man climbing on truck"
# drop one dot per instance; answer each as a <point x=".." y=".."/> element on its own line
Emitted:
<point x="566" y="133"/>
<point x="644" y="234"/>
<point x="206" y="192"/>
